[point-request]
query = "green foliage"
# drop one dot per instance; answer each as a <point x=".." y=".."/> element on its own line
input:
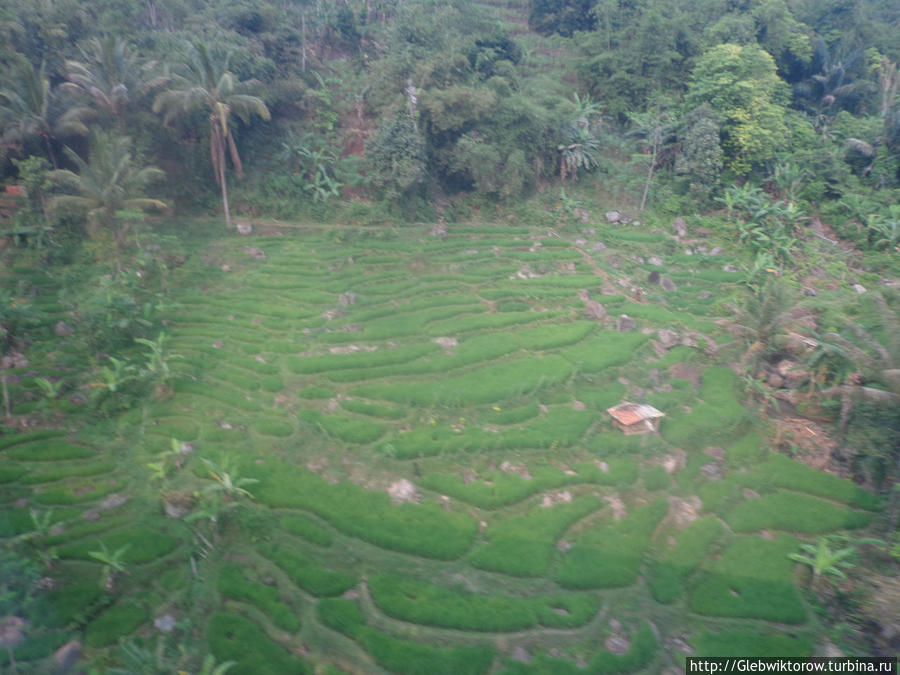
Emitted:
<point x="397" y="157"/>
<point x="700" y="160"/>
<point x="234" y="584"/>
<point x="608" y="349"/>
<point x="751" y="579"/>
<point x="610" y="552"/>
<point x="740" y="84"/>
<point x="560" y="16"/>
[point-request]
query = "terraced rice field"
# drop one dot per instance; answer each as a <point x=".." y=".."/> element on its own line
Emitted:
<point x="438" y="488"/>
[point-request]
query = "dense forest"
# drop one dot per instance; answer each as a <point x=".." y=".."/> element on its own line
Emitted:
<point x="749" y="150"/>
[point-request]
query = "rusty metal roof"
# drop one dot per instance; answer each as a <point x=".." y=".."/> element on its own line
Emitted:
<point x="631" y="413"/>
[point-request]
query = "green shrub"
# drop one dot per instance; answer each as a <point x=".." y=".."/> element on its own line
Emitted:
<point x="610" y="553"/>
<point x="234" y="584"/>
<point x="420" y="529"/>
<point x="234" y="638"/>
<point x="752" y="579"/>
<point x="306" y="527"/>
<point x="116" y="622"/>
<point x="667" y="574"/>
<point x="794" y="512"/>
<point x="523" y="545"/>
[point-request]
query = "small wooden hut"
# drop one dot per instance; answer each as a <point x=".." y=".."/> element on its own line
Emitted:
<point x="635" y="418"/>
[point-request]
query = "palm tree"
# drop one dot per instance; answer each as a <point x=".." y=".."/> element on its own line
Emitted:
<point x="107" y="77"/>
<point x="762" y="317"/>
<point x="202" y="82"/>
<point x="106" y="184"/>
<point x="27" y="109"/>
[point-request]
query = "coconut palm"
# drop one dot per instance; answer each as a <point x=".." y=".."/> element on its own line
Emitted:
<point x="106" y="184"/>
<point x="107" y="77"/>
<point x="202" y="82"/>
<point x="29" y="109"/>
<point x="762" y="317"/>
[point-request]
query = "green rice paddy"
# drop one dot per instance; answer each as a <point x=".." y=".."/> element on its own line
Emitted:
<point x="526" y="523"/>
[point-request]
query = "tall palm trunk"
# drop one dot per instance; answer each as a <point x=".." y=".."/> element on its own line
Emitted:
<point x="217" y="155"/>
